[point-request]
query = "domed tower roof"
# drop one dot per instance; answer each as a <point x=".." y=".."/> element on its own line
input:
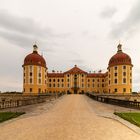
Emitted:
<point x="34" y="58"/>
<point x="120" y="58"/>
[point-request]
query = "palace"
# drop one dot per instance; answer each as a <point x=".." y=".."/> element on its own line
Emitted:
<point x="37" y="79"/>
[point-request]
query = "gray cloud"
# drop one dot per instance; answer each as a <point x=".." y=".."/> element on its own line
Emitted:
<point x="25" y="31"/>
<point x="108" y="12"/>
<point x="130" y="25"/>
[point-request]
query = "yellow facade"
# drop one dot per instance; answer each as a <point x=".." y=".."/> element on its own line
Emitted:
<point x="35" y="79"/>
<point x="117" y="79"/>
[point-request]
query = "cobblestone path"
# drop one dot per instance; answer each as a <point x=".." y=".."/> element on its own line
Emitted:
<point x="71" y="118"/>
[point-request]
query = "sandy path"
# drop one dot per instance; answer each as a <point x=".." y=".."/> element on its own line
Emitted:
<point x="72" y="118"/>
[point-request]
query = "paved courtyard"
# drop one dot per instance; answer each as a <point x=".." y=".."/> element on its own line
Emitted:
<point x="72" y="117"/>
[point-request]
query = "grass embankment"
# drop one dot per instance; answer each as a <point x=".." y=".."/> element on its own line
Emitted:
<point x="133" y="118"/>
<point x="9" y="115"/>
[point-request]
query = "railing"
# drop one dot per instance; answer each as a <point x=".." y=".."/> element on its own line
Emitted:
<point x="12" y="101"/>
<point x="110" y="99"/>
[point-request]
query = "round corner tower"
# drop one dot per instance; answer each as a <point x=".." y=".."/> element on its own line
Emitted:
<point x="34" y="73"/>
<point x="120" y="72"/>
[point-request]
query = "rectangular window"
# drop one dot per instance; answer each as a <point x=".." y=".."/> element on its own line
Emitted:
<point x="30" y="89"/>
<point x="115" y="67"/>
<point x="93" y="80"/>
<point x="31" y="80"/>
<point x="124" y="89"/>
<point x="115" y="81"/>
<point x="124" y="73"/>
<point x="116" y="90"/>
<point x="62" y="80"/>
<point x="50" y="85"/>
<point x="124" y="67"/>
<point x="50" y="80"/>
<point x="39" y="81"/>
<point x="124" y="80"/>
<point x="115" y="74"/>
<point x="53" y="80"/>
<point x="93" y="85"/>
<point x="58" y="80"/>
<point x="30" y="73"/>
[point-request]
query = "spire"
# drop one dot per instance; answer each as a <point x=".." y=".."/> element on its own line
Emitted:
<point x="35" y="48"/>
<point x="119" y="48"/>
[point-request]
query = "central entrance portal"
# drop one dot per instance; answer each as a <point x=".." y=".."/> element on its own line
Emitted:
<point x="75" y="91"/>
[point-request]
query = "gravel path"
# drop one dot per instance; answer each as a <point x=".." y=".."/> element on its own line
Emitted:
<point x="73" y="117"/>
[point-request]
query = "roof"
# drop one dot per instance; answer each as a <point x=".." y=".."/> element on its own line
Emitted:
<point x="55" y="75"/>
<point x="34" y="59"/>
<point x="75" y="70"/>
<point x="97" y="75"/>
<point x="120" y="58"/>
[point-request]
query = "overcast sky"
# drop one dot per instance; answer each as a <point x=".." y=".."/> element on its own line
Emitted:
<point x="67" y="32"/>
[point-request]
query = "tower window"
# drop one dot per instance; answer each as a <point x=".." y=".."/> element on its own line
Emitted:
<point x="124" y="80"/>
<point x="30" y="73"/>
<point x="30" y="80"/>
<point x="124" y="73"/>
<point x="115" y="73"/>
<point x="115" y="81"/>
<point x="30" y="89"/>
<point x="39" y="74"/>
<point x="39" y="81"/>
<point x="115" y="67"/>
<point x="30" y="68"/>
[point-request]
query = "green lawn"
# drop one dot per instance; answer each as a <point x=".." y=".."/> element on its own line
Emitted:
<point x="9" y="115"/>
<point x="134" y="118"/>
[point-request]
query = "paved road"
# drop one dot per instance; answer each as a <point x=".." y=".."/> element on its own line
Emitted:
<point x="71" y="118"/>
